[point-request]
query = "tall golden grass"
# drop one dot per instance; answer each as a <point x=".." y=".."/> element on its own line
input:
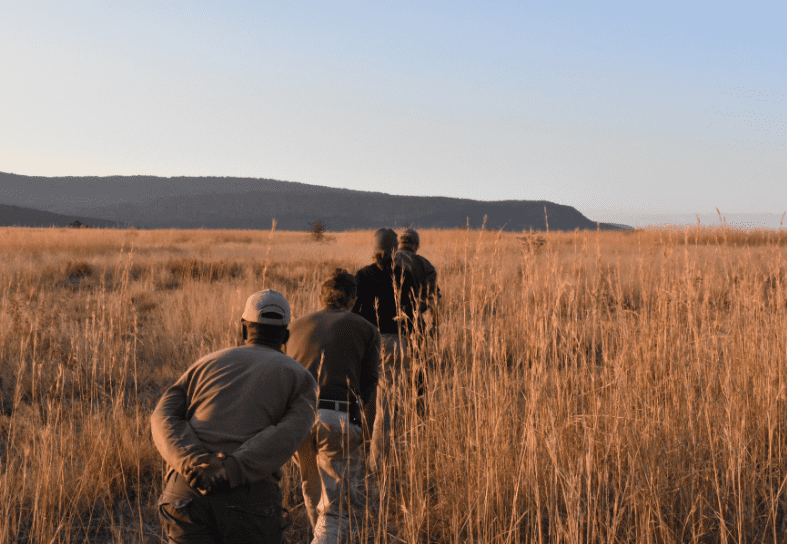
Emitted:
<point x="584" y="387"/>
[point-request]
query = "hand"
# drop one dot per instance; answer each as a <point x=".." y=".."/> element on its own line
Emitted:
<point x="208" y="473"/>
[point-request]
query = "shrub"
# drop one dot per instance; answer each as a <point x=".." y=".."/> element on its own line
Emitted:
<point x="317" y="230"/>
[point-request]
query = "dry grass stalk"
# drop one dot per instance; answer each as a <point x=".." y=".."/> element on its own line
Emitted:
<point x="610" y="387"/>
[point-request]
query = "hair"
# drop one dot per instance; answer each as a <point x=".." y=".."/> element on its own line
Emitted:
<point x="338" y="289"/>
<point x="382" y="259"/>
<point x="409" y="239"/>
<point x="385" y="242"/>
<point x="257" y="333"/>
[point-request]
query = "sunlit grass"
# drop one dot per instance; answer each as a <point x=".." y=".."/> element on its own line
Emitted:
<point x="584" y="387"/>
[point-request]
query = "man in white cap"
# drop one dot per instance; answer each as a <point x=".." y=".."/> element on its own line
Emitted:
<point x="227" y="426"/>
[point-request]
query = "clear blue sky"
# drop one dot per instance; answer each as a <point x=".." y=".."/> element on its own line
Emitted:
<point x="664" y="107"/>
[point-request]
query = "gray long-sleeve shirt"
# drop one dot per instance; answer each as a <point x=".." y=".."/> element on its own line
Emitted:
<point x="253" y="403"/>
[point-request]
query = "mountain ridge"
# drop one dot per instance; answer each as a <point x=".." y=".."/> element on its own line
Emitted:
<point x="19" y="216"/>
<point x="229" y="202"/>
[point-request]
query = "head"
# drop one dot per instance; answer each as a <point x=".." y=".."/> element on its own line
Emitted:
<point x="409" y="240"/>
<point x="266" y="318"/>
<point x="338" y="290"/>
<point x="384" y="245"/>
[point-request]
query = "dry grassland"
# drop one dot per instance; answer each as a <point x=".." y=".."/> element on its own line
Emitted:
<point x="585" y="387"/>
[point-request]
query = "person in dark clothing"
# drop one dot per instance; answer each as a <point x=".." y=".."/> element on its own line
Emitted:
<point x="380" y="287"/>
<point x="424" y="296"/>
<point x="342" y="352"/>
<point x="384" y="299"/>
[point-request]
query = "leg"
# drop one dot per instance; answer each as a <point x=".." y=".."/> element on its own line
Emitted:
<point x="392" y="354"/>
<point x="250" y="513"/>
<point x="186" y="517"/>
<point x="306" y="457"/>
<point x="340" y="462"/>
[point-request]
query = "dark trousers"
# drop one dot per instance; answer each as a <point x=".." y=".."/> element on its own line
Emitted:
<point x="245" y="514"/>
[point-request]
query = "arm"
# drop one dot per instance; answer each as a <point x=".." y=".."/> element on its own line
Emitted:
<point x="432" y="290"/>
<point x="174" y="438"/>
<point x="364" y="304"/>
<point x="264" y="453"/>
<point x="370" y="367"/>
<point x="433" y="296"/>
<point x="404" y="287"/>
<point x="370" y="375"/>
<point x="369" y="413"/>
<point x="356" y="309"/>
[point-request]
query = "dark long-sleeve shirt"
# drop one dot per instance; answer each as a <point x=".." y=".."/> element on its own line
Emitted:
<point x="340" y="349"/>
<point x="382" y="291"/>
<point x="424" y="277"/>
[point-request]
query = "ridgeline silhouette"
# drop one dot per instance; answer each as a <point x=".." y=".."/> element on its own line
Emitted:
<point x="247" y="203"/>
<point x="18" y="216"/>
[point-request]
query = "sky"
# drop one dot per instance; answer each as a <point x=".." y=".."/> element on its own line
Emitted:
<point x="611" y="107"/>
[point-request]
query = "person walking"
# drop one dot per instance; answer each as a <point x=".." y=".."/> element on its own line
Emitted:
<point x="425" y="294"/>
<point x="383" y="300"/>
<point x="225" y="429"/>
<point x="382" y="293"/>
<point x="424" y="298"/>
<point x="342" y="352"/>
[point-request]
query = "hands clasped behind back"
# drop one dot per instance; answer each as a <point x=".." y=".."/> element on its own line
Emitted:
<point x="208" y="473"/>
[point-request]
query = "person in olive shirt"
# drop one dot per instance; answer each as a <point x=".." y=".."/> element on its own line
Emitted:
<point x="342" y="351"/>
<point x="225" y="429"/>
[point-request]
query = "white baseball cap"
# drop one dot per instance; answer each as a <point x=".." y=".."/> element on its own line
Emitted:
<point x="267" y="302"/>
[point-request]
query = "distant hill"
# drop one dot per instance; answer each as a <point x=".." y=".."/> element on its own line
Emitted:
<point x="246" y="203"/>
<point x="17" y="216"/>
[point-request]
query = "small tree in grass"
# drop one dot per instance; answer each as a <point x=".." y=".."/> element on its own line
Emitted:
<point x="317" y="230"/>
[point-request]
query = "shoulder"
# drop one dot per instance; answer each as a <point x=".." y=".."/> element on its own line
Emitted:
<point x="285" y="361"/>
<point x="210" y="358"/>
<point x="360" y="323"/>
<point x="239" y="357"/>
<point x="370" y="276"/>
<point x="366" y="271"/>
<point x="281" y="362"/>
<point x="307" y="326"/>
<point x="250" y="353"/>
<point x="304" y="321"/>
<point x="218" y="354"/>
<point x="305" y="318"/>
<point x="407" y="258"/>
<point x="424" y="261"/>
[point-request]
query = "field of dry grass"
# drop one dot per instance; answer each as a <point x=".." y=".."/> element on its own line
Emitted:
<point x="585" y="387"/>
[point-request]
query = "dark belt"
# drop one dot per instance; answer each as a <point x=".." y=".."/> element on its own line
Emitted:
<point x="338" y="405"/>
<point x="351" y="408"/>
